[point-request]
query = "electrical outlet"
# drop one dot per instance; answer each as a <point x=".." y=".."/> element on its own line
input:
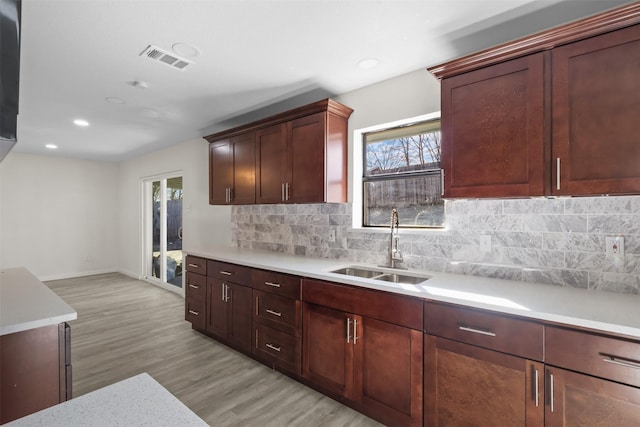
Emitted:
<point x="485" y="243"/>
<point x="615" y="247"/>
<point x="331" y="237"/>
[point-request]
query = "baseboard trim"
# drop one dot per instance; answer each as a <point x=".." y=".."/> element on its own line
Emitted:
<point x="77" y="274"/>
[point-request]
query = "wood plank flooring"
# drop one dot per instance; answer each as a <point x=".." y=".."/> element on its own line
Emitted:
<point x="126" y="327"/>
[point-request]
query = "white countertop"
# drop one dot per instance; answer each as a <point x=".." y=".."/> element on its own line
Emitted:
<point x="602" y="311"/>
<point x="136" y="401"/>
<point x="27" y="303"/>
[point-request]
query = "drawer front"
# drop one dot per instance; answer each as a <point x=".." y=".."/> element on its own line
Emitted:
<point x="196" y="264"/>
<point x="194" y="312"/>
<point x="196" y="286"/>
<point x="228" y="272"/>
<point x="278" y="347"/>
<point x="488" y="330"/>
<point x="605" y="357"/>
<point x="280" y="313"/>
<point x="276" y="283"/>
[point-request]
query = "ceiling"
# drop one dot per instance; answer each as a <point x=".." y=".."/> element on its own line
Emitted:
<point x="251" y="59"/>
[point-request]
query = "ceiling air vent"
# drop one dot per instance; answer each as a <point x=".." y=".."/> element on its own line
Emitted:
<point x="171" y="59"/>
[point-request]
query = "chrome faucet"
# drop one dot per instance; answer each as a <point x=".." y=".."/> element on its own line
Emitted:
<point x="395" y="256"/>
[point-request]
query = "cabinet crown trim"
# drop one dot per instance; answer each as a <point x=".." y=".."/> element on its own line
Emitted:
<point x="611" y="20"/>
<point x="325" y="105"/>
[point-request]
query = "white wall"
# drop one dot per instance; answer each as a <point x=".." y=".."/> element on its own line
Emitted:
<point x="203" y="225"/>
<point x="57" y="215"/>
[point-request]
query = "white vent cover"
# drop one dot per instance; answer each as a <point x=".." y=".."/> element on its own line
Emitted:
<point x="171" y="59"/>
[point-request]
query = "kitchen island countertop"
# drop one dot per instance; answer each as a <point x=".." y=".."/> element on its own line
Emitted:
<point x="27" y="303"/>
<point x="596" y="310"/>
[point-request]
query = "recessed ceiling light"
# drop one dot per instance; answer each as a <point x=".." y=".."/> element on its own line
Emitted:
<point x="81" y="122"/>
<point x="368" y="63"/>
<point x="51" y="146"/>
<point x="114" y="100"/>
<point x="185" y="49"/>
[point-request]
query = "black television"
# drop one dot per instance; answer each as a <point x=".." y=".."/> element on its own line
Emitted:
<point x="10" y="11"/>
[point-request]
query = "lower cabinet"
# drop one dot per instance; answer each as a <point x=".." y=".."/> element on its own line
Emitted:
<point x="371" y="364"/>
<point x="468" y="385"/>
<point x="229" y="312"/>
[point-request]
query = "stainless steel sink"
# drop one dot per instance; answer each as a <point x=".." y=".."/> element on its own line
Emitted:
<point x="380" y="274"/>
<point x="359" y="272"/>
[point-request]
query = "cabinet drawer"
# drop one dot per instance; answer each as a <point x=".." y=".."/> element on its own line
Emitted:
<point x="225" y="271"/>
<point x="196" y="286"/>
<point x="276" y="283"/>
<point x="605" y="357"/>
<point x="194" y="312"/>
<point x="278" y="347"/>
<point x="196" y="264"/>
<point x="488" y="330"/>
<point x="280" y="313"/>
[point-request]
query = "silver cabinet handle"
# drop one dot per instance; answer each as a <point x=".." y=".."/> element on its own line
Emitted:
<point x="223" y="291"/>
<point x="355" y="331"/>
<point x="230" y="195"/>
<point x="226" y="293"/>
<point x="621" y="362"/>
<point x="348" y="330"/>
<point x="193" y="286"/>
<point x="442" y="182"/>
<point x="476" y="331"/>
<point x="195" y="313"/>
<point x="558" y="173"/>
<point x="275" y="313"/>
<point x="537" y="385"/>
<point x="282" y="191"/>
<point x="551" y="391"/>
<point x="226" y="273"/>
<point x="275" y="285"/>
<point x="273" y="347"/>
<point x="194" y="265"/>
<point x="286" y="191"/>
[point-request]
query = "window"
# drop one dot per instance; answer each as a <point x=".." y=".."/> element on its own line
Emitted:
<point x="401" y="169"/>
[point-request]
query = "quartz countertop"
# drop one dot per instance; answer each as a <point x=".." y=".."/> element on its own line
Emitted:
<point x="596" y="310"/>
<point x="136" y="401"/>
<point x="27" y="303"/>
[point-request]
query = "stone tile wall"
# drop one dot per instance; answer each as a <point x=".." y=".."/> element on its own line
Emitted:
<point x="554" y="241"/>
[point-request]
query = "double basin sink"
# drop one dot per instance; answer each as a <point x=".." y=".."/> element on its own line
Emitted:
<point x="379" y="274"/>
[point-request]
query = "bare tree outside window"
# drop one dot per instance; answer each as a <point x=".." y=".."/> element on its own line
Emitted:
<point x="402" y="170"/>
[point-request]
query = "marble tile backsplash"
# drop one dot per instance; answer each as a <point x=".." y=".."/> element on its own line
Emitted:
<point x="554" y="241"/>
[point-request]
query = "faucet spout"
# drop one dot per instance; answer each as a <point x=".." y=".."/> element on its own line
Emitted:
<point x="395" y="256"/>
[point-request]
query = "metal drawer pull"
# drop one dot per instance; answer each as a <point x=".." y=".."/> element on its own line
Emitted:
<point x="226" y="273"/>
<point x="348" y="330"/>
<point x="275" y="313"/>
<point x="476" y="331"/>
<point x="194" y="265"/>
<point x="551" y="391"/>
<point x="537" y="380"/>
<point x="273" y="347"/>
<point x="620" y="361"/>
<point x="275" y="285"/>
<point x="193" y="286"/>
<point x="195" y="313"/>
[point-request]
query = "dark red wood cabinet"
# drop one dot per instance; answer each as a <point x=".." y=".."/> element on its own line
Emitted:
<point x="232" y="165"/>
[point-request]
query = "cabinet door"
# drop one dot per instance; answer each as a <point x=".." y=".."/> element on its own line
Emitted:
<point x="243" y="191"/>
<point x="493" y="130"/>
<point x="596" y="107"/>
<point x="306" y="162"/>
<point x="580" y="400"/>
<point x="327" y="357"/>
<point x="220" y="172"/>
<point x="271" y="170"/>
<point x="388" y="371"/>
<point x="467" y="385"/>
<point x="239" y="316"/>
<point x="216" y="307"/>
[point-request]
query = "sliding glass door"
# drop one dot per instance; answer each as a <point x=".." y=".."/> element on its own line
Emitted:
<point x="162" y="240"/>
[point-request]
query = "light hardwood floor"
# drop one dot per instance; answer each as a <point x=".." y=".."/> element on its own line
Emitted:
<point x="126" y="327"/>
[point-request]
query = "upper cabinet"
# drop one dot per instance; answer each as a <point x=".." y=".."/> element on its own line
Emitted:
<point x="555" y="113"/>
<point x="232" y="165"/>
<point x="300" y="157"/>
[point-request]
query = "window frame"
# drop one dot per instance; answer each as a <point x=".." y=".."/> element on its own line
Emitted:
<point x="360" y="180"/>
